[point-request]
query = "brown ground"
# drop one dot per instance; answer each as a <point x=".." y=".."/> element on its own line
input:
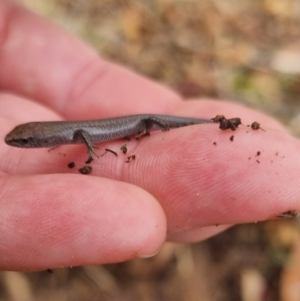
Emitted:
<point x="240" y="50"/>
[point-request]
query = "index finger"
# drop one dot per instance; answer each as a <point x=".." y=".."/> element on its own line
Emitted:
<point x="43" y="62"/>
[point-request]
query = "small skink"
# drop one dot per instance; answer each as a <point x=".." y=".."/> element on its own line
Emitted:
<point x="56" y="133"/>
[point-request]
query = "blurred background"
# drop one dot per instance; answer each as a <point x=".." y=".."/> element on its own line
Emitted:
<point x="245" y="51"/>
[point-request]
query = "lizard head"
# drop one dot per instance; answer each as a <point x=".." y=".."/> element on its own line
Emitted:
<point x="28" y="135"/>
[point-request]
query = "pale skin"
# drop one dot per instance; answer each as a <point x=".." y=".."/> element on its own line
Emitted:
<point x="180" y="186"/>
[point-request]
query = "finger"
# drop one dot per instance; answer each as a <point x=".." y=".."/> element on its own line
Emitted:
<point x="15" y="110"/>
<point x="41" y="61"/>
<point x="198" y="234"/>
<point x="51" y="221"/>
<point x="200" y="176"/>
<point x="252" y="178"/>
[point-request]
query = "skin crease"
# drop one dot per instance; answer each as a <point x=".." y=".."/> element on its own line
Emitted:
<point x="180" y="185"/>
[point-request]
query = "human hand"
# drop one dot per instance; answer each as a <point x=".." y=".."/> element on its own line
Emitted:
<point x="51" y="217"/>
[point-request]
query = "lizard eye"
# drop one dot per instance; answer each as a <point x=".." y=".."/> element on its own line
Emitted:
<point x="25" y="141"/>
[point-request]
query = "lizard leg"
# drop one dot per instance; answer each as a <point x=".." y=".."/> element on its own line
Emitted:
<point x="143" y="133"/>
<point x="155" y="121"/>
<point x="148" y="123"/>
<point x="84" y="137"/>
